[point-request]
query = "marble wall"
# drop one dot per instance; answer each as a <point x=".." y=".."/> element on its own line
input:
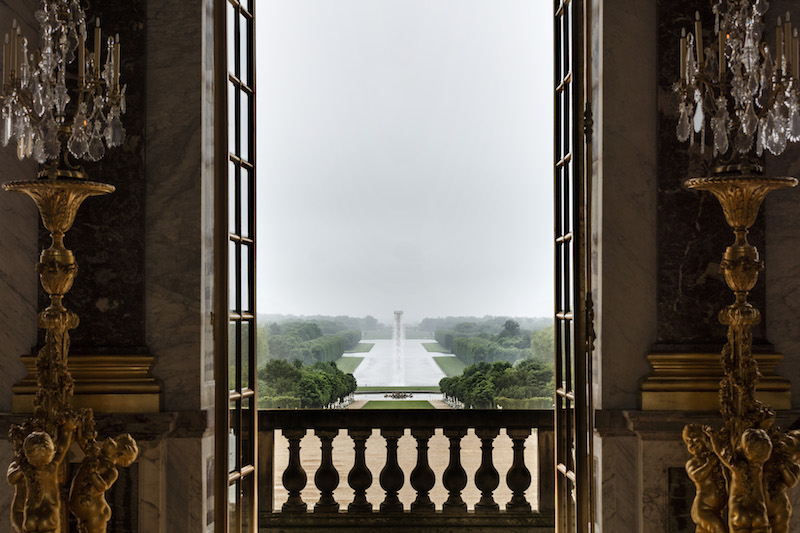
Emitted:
<point x="18" y="247"/>
<point x="625" y="214"/>
<point x="174" y="186"/>
<point x="782" y="271"/>
<point x="145" y="252"/>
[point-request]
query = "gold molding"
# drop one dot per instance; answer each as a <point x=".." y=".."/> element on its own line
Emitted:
<point x="104" y="383"/>
<point x="690" y="382"/>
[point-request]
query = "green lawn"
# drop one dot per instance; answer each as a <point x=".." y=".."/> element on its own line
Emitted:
<point x="398" y="404"/>
<point x="362" y="347"/>
<point x="435" y="347"/>
<point x="451" y="366"/>
<point x="348" y="365"/>
<point x="398" y="389"/>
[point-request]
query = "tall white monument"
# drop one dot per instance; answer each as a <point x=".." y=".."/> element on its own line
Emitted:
<point x="399" y="374"/>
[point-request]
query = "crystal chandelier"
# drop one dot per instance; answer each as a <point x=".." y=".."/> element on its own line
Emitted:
<point x="737" y="90"/>
<point x="40" y="113"/>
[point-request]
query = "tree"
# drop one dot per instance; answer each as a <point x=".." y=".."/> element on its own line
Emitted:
<point x="543" y="344"/>
<point x="510" y="329"/>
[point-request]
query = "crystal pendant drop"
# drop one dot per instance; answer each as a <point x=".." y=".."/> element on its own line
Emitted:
<point x="114" y="132"/>
<point x="719" y="126"/>
<point x="794" y="125"/>
<point x="750" y="121"/>
<point x="6" y="134"/>
<point x="684" y="124"/>
<point x="38" y="151"/>
<point x="699" y="117"/>
<point x="96" y="150"/>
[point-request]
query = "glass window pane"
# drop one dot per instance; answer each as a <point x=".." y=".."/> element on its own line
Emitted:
<point x="233" y="354"/>
<point x="233" y="270"/>
<point x="246" y="126"/>
<point x="244" y="339"/>
<point x="233" y="506"/>
<point x="244" y="48"/>
<point x="247" y="437"/>
<point x="246" y="501"/>
<point x="233" y="436"/>
<point x="247" y="268"/>
<point x="232" y="133"/>
<point x="245" y="196"/>
<point x="231" y="37"/>
<point x="231" y="197"/>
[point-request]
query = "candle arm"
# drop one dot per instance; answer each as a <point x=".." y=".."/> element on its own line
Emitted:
<point x="698" y="37"/>
<point x="97" y="37"/>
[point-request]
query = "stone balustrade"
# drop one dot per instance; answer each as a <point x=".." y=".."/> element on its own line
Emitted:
<point x="296" y="514"/>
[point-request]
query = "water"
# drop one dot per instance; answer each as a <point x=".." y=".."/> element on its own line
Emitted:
<point x="415" y="368"/>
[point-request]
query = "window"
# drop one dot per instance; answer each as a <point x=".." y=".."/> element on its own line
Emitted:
<point x="573" y="407"/>
<point x="235" y="454"/>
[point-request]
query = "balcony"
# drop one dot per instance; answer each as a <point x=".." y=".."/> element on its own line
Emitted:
<point x="307" y="499"/>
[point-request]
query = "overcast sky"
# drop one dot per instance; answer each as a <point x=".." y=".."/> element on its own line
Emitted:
<point x="405" y="157"/>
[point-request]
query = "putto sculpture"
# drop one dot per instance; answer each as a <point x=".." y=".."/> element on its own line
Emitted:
<point x="739" y="100"/>
<point x="35" y="111"/>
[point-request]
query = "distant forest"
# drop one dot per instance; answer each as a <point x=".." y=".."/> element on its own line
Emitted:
<point x="510" y="360"/>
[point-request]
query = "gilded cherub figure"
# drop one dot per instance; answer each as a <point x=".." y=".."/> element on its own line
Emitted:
<point x="706" y="473"/>
<point x="94" y="477"/>
<point x="781" y="473"/>
<point x="42" y="501"/>
<point x="16" y="478"/>
<point x="747" y="509"/>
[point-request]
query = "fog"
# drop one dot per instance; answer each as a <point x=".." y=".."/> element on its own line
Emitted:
<point x="404" y="156"/>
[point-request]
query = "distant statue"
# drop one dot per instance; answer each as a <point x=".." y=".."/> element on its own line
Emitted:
<point x="42" y="501"/>
<point x="706" y="473"/>
<point x="781" y="473"/>
<point x="747" y="509"/>
<point x="95" y="476"/>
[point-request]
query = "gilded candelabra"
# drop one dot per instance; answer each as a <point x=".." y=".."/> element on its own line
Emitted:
<point x="745" y="92"/>
<point x="36" y="113"/>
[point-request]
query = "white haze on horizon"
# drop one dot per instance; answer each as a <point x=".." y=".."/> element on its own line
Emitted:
<point x="405" y="158"/>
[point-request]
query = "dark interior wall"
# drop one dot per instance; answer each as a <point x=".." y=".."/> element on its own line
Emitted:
<point x="692" y="233"/>
<point x="108" y="235"/>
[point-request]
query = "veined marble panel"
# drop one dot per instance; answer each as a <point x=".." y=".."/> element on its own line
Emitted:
<point x="19" y="253"/>
<point x="782" y="262"/>
<point x="618" y="458"/>
<point x="657" y="456"/>
<point x="627" y="185"/>
<point x="782" y="269"/>
<point x="208" y="201"/>
<point x="174" y="234"/>
<point x="185" y="484"/>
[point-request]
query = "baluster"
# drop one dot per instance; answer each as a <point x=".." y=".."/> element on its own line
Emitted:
<point x="326" y="478"/>
<point x="454" y="477"/>
<point x="294" y="477"/>
<point x="360" y="478"/>
<point x="391" y="476"/>
<point x="518" y="477"/>
<point x="486" y="477"/>
<point x="422" y="477"/>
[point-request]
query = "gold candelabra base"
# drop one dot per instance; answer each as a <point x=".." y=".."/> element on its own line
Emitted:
<point x="748" y="464"/>
<point x="690" y="382"/>
<point x="41" y="443"/>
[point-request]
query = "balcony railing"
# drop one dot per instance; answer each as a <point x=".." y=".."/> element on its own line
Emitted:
<point x="519" y="511"/>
